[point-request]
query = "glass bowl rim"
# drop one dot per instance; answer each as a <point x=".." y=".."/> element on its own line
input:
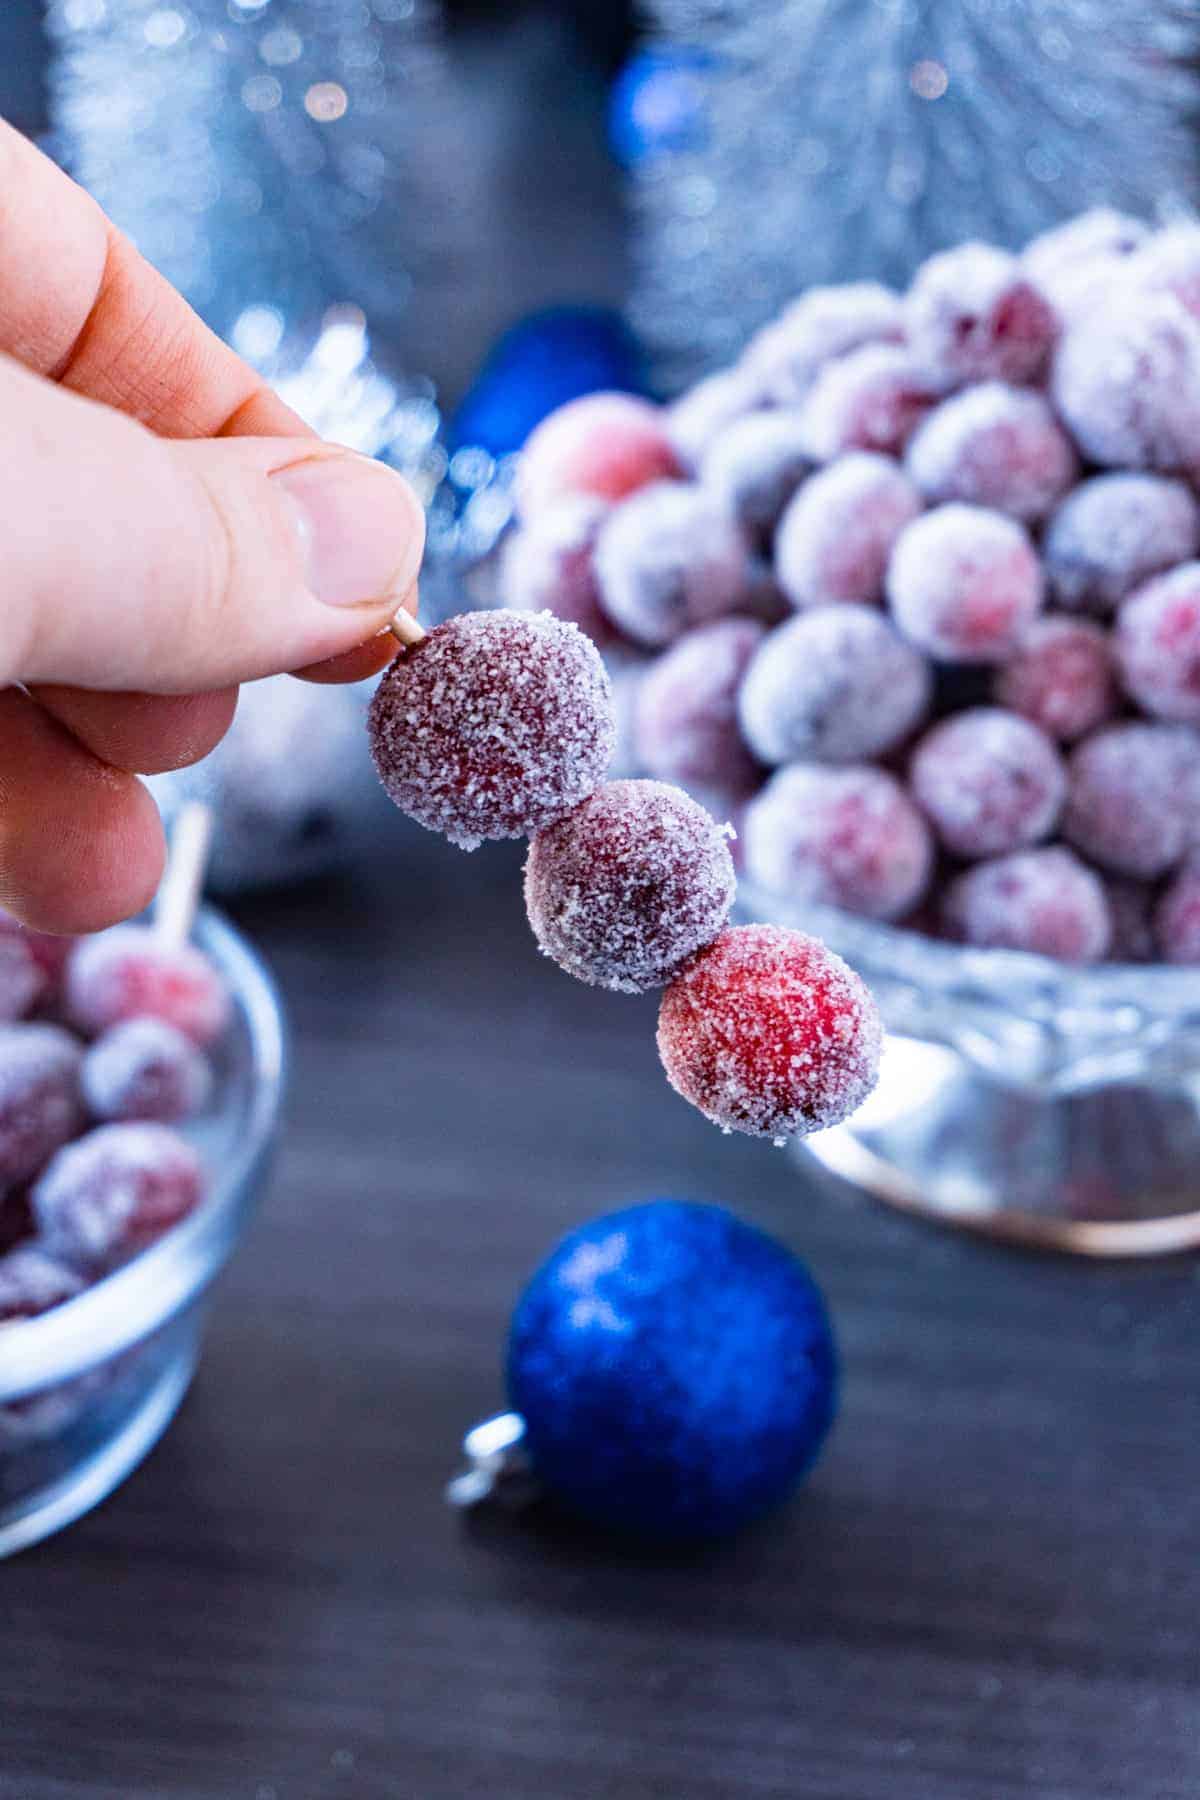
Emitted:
<point x="908" y="955"/>
<point x="124" y="1307"/>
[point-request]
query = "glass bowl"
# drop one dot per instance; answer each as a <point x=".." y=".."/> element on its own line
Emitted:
<point x="1020" y="1097"/>
<point x="87" y="1389"/>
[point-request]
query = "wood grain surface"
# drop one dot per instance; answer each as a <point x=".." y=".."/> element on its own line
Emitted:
<point x="989" y="1588"/>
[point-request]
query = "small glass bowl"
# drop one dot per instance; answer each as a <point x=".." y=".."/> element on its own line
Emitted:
<point x="87" y="1389"/>
<point x="1020" y="1097"/>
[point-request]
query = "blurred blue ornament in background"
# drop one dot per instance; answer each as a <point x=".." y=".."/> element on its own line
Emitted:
<point x="675" y="1370"/>
<point x="658" y="103"/>
<point x="539" y="364"/>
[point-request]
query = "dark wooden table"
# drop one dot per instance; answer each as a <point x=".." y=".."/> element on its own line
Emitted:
<point x="989" y="1588"/>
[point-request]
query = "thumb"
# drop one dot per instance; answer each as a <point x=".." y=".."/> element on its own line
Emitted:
<point x="135" y="562"/>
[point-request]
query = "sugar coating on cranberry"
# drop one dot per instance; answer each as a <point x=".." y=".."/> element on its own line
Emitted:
<point x="994" y="445"/>
<point x="606" y="444"/>
<point x="145" y="1069"/>
<point x="32" y="1282"/>
<point x="628" y="886"/>
<point x="1177" y="916"/>
<point x="114" y="1192"/>
<point x="1046" y="901"/>
<point x="1133" y="800"/>
<point x="964" y="583"/>
<point x="686" y="720"/>
<point x="670" y="559"/>
<point x="546" y="566"/>
<point x="1126" y="382"/>
<point x="769" y="1033"/>
<point x="130" y="972"/>
<point x="836" y="537"/>
<point x="989" y="781"/>
<point x="497" y="723"/>
<point x="849" y="838"/>
<point x="1098" y="234"/>
<point x="1157" y="644"/>
<point x="1113" y="533"/>
<point x="755" y="467"/>
<point x="874" y="398"/>
<point x="1061" y="676"/>
<point x="40" y="1106"/>
<point x="696" y="420"/>
<point x="1170" y="260"/>
<point x="973" y="314"/>
<point x="21" y="980"/>
<point x="48" y="952"/>
<point x="787" y="355"/>
<point x="837" y="684"/>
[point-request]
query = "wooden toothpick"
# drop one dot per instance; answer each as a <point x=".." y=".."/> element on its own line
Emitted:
<point x="407" y="631"/>
<point x="180" y="889"/>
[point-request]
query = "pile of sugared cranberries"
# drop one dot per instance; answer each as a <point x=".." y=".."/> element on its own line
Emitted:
<point x="503" y="724"/>
<point x="977" y="505"/>
<point x="101" y="1056"/>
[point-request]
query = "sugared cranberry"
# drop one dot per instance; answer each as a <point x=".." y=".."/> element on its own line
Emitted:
<point x="497" y="723"/>
<point x="769" y="1033"/>
<point x="1113" y="533"/>
<point x="1133" y="802"/>
<point x="130" y="972"/>
<point x="755" y="467"/>
<point x="606" y="445"/>
<point x="996" y="446"/>
<point x="1073" y="264"/>
<point x="145" y="1069"/>
<point x="32" y="1282"/>
<point x="989" y="780"/>
<point x="964" y="583"/>
<point x="874" y="398"/>
<point x="1046" y="901"/>
<point x="686" y="722"/>
<point x="973" y="314"/>
<point x="837" y="684"/>
<point x="835" y="538"/>
<point x="114" y="1192"/>
<point x="1126" y="381"/>
<point x="546" y="566"/>
<point x="1061" y="676"/>
<point x="1177" y="916"/>
<point x="787" y="355"/>
<point x="40" y="1107"/>
<point x="628" y="886"/>
<point x="1158" y="645"/>
<point x="850" y="838"/>
<point x="21" y="980"/>
<point x="670" y="559"/>
<point x="701" y="416"/>
<point x="1170" y="261"/>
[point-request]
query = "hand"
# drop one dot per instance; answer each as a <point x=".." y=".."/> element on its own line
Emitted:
<point x="170" y="529"/>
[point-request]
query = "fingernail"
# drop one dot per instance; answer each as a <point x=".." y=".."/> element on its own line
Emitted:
<point x="361" y="526"/>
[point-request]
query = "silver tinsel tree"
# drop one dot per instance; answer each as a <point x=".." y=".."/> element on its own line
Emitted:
<point x="258" y="151"/>
<point x="849" y="138"/>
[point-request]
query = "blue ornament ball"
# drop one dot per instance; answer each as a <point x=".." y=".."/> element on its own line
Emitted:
<point x="537" y="366"/>
<point x="675" y="1369"/>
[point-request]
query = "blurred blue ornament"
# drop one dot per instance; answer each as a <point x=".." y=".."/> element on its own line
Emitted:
<point x="658" y="103"/>
<point x="675" y="1370"/>
<point x="538" y="365"/>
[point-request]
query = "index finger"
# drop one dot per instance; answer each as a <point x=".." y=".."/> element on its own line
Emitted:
<point x="80" y="305"/>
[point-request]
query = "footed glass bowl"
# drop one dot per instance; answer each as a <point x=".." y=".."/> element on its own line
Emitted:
<point x="1020" y="1097"/>
<point x="87" y="1389"/>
